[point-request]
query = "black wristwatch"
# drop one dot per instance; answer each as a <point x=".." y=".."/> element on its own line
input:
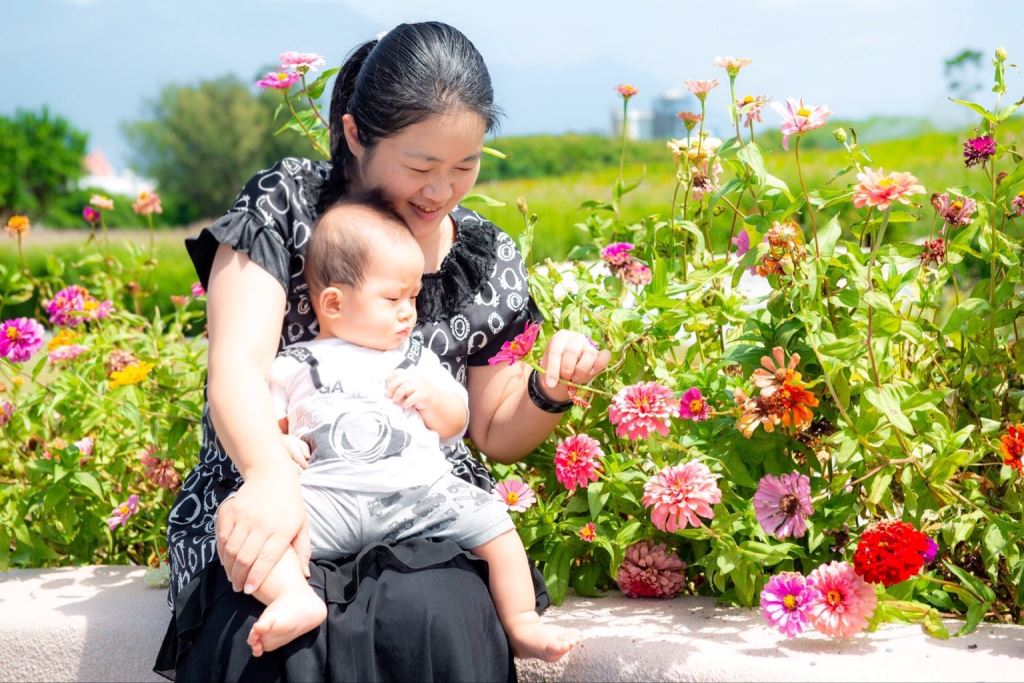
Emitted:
<point x="542" y="401"/>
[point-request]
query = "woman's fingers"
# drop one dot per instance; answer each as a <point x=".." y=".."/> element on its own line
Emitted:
<point x="573" y="357"/>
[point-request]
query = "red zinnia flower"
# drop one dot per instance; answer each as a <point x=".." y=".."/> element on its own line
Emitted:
<point x="890" y="552"/>
<point x="1012" y="445"/>
<point x="649" y="570"/>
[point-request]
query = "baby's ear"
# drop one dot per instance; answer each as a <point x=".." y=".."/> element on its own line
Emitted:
<point x="331" y="301"/>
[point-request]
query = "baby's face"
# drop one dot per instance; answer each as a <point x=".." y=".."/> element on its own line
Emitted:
<point x="381" y="313"/>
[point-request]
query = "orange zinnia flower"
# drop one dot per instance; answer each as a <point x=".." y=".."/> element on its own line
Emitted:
<point x="1012" y="445"/>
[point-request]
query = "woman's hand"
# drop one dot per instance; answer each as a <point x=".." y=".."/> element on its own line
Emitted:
<point x="257" y="524"/>
<point x="573" y="357"/>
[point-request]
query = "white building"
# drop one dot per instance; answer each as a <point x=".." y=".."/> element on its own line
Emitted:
<point x="661" y="123"/>
<point x="101" y="175"/>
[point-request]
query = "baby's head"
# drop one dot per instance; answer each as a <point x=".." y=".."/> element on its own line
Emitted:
<point x="363" y="269"/>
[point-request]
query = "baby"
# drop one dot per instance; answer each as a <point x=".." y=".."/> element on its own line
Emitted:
<point x="375" y="408"/>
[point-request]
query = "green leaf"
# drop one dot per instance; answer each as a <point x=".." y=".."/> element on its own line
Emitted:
<point x="886" y="401"/>
<point x="829" y="236"/>
<point x="691" y="227"/>
<point x="490" y="151"/>
<point x="316" y="88"/>
<point x="88" y="481"/>
<point x="973" y="583"/>
<point x="977" y="109"/>
<point x="751" y="155"/>
<point x="596" y="498"/>
<point x="482" y="199"/>
<point x="975" y="613"/>
<point x="556" y="573"/>
<point x="962" y="313"/>
<point x="879" y="487"/>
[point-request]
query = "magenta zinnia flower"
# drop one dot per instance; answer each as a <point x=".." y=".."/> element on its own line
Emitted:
<point x="123" y="512"/>
<point x="6" y="411"/>
<point x="20" y="338"/>
<point x="279" y="80"/>
<point x="515" y="494"/>
<point x="301" y="61"/>
<point x="514" y="351"/>
<point x="1018" y="204"/>
<point x="692" y="406"/>
<point x="978" y="150"/>
<point x="577" y="461"/>
<point x="617" y="254"/>
<point x="640" y="409"/>
<point x="933" y="251"/>
<point x="958" y="212"/>
<point x="742" y="243"/>
<point x="197" y="289"/>
<point x="844" y="603"/>
<point x="785" y="602"/>
<point x="783" y="504"/>
<point x="588" y="532"/>
<point x="650" y="571"/>
<point x="677" y="495"/>
<point x="91" y="215"/>
<point x="798" y="118"/>
<point x="877" y="188"/>
<point x="931" y="551"/>
<point x="73" y="305"/>
<point x="701" y="88"/>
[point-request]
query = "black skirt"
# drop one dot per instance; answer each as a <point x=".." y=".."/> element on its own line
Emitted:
<point x="416" y="611"/>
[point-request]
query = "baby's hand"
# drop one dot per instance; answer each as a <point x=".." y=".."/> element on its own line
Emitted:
<point x="410" y="389"/>
<point x="298" y="450"/>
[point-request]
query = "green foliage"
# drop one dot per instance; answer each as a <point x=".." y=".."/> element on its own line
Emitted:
<point x="42" y="158"/>
<point x="540" y="156"/>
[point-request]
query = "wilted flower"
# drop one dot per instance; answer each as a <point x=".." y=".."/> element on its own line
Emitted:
<point x="742" y="243"/>
<point x="279" y="80"/>
<point x="705" y="179"/>
<point x="159" y="472"/>
<point x="732" y="65"/>
<point x="785" y="249"/>
<point x="18" y="225"/>
<point x="1018" y="204"/>
<point x="650" y="571"/>
<point x="67" y="352"/>
<point x="639" y="409"/>
<point x="515" y="494"/>
<point x="785" y="602"/>
<point x="626" y="90"/>
<point x="578" y="396"/>
<point x="958" y="212"/>
<point x="588" y="532"/>
<point x="880" y="189"/>
<point x="677" y="495"/>
<point x="617" y="254"/>
<point x="689" y="119"/>
<point x="102" y="202"/>
<point x="701" y="88"/>
<point x="20" y="338"/>
<point x="844" y="603"/>
<point x="750" y="107"/>
<point x="147" y="204"/>
<point x="756" y="411"/>
<point x="133" y="374"/>
<point x="890" y="552"/>
<point x="636" y="274"/>
<point x="1012" y="446"/>
<point x="978" y="150"/>
<point x="302" y="62"/>
<point x="6" y="411"/>
<point x="91" y="215"/>
<point x="197" y="290"/>
<point x="513" y="351"/>
<point x="118" y="360"/>
<point x="798" y="118"/>
<point x="783" y="504"/>
<point x="933" y="251"/>
<point x="693" y="406"/>
<point x="578" y="461"/>
<point x="123" y="512"/>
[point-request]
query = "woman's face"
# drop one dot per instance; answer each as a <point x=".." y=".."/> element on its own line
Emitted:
<point x="425" y="169"/>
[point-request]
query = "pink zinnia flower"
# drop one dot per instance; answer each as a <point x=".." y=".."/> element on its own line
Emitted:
<point x="102" y="202"/>
<point x="617" y="254"/>
<point x="626" y="90"/>
<point x="798" y="118"/>
<point x="147" y="204"/>
<point x="515" y="494"/>
<point x="123" y="512"/>
<point x="783" y="504"/>
<point x="197" y="290"/>
<point x="877" y="188"/>
<point x="588" y="532"/>
<point x="679" y="494"/>
<point x="578" y="461"/>
<point x="978" y="150"/>
<point x="301" y="61"/>
<point x="20" y="338"/>
<point x="279" y="80"/>
<point x="650" y="571"/>
<point x="750" y="107"/>
<point x="692" y="406"/>
<point x="1018" y="204"/>
<point x="732" y="65"/>
<point x="515" y="350"/>
<point x="6" y="411"/>
<point x="701" y="88"/>
<point x="958" y="212"/>
<point x="67" y="352"/>
<point x="637" y="274"/>
<point x="85" y="445"/>
<point x="845" y="601"/>
<point x="91" y="215"/>
<point x="785" y="602"/>
<point x="640" y="409"/>
<point x="689" y="119"/>
<point x="742" y="243"/>
<point x="73" y="305"/>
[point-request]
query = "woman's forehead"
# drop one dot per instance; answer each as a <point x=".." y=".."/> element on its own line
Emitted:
<point x="456" y="136"/>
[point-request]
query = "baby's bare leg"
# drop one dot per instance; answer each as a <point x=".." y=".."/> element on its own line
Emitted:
<point x="292" y="607"/>
<point x="512" y="592"/>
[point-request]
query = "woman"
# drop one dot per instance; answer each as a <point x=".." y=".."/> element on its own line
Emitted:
<point x="409" y="113"/>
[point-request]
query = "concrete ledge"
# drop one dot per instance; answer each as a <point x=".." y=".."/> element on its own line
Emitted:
<point x="104" y="624"/>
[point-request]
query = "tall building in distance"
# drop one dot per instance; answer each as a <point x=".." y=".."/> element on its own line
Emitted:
<point x="661" y="123"/>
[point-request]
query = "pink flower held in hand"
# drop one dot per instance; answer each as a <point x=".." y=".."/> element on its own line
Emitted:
<point x="148" y="204"/>
<point x="783" y="504"/>
<point x="798" y="118"/>
<point x="588" y="532"/>
<point x="679" y="494"/>
<point x="20" y="338"/>
<point x="197" y="290"/>
<point x="732" y="65"/>
<point x="617" y="254"/>
<point x="692" y="406"/>
<point x="701" y="88"/>
<point x="650" y="571"/>
<point x="640" y="409"/>
<point x="626" y="90"/>
<point x="123" y="512"/>
<point x="978" y="150"/>
<point x="880" y="189"/>
<point x="577" y="461"/>
<point x="302" y="62"/>
<point x="844" y="603"/>
<point x="515" y="350"/>
<point x="785" y="602"/>
<point x="957" y="212"/>
<point x="515" y="494"/>
<point x="279" y="80"/>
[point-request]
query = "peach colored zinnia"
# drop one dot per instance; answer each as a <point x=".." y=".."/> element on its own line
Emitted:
<point x="626" y="90"/>
<point x="678" y="495"/>
<point x="701" y="88"/>
<point x="147" y="204"/>
<point x="732" y="65"/>
<point x="845" y="601"/>
<point x="640" y="409"/>
<point x="799" y="118"/>
<point x="577" y="461"/>
<point x="881" y="189"/>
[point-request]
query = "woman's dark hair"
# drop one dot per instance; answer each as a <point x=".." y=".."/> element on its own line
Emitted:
<point x="411" y="73"/>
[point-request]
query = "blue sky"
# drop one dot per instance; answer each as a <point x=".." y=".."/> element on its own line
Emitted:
<point x="554" y="63"/>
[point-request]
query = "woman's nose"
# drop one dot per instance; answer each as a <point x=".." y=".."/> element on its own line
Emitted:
<point x="439" y="191"/>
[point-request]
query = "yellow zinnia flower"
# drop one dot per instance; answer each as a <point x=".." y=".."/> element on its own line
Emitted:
<point x="63" y="338"/>
<point x="18" y="224"/>
<point x="133" y="374"/>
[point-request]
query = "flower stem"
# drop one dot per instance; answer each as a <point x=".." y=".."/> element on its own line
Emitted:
<point x="305" y="130"/>
<point x="871" y="288"/>
<point x="807" y="198"/>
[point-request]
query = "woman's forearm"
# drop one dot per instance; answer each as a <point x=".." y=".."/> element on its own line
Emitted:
<point x="516" y="426"/>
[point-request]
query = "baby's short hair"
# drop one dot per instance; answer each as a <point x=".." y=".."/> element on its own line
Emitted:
<point x="339" y="250"/>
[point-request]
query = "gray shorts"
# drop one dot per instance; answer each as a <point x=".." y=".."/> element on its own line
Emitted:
<point x="345" y="522"/>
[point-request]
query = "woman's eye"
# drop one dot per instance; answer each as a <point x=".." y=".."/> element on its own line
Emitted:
<point x="419" y="170"/>
<point x="466" y="170"/>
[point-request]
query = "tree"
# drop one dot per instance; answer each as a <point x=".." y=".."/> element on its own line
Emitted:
<point x="201" y="143"/>
<point x="963" y="73"/>
<point x="40" y="157"/>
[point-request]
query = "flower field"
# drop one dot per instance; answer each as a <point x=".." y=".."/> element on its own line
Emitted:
<point x="843" y="452"/>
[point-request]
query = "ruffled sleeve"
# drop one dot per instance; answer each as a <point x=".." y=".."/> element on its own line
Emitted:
<point x="243" y="232"/>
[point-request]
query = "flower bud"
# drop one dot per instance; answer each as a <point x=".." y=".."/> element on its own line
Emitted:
<point x="523" y="208"/>
<point x="840" y="135"/>
<point x="1001" y="54"/>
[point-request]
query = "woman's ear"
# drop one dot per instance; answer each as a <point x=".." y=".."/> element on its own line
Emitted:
<point x="331" y="301"/>
<point x="348" y="127"/>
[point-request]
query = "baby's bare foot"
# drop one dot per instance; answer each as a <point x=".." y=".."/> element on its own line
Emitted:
<point x="285" y="619"/>
<point x="535" y="640"/>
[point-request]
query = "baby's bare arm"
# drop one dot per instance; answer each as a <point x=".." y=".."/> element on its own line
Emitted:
<point x="442" y="411"/>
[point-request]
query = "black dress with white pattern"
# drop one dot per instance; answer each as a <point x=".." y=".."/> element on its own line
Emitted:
<point x="476" y="301"/>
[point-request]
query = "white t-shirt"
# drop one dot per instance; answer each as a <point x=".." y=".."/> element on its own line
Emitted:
<point x="333" y="394"/>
